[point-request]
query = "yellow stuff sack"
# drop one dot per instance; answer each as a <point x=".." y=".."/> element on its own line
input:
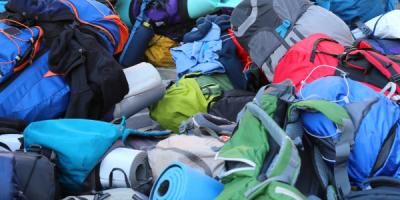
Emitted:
<point x="158" y="52"/>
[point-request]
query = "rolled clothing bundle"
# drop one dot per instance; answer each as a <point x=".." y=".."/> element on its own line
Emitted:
<point x="193" y="151"/>
<point x="124" y="167"/>
<point x="179" y="181"/>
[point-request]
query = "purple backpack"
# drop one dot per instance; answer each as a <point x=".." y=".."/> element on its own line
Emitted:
<point x="167" y="11"/>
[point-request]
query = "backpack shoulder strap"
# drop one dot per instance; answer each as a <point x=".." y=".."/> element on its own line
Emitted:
<point x="287" y="154"/>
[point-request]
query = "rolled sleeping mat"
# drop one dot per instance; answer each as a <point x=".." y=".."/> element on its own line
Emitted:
<point x="145" y="88"/>
<point x="123" y="168"/>
<point x="112" y="194"/>
<point x="200" y="8"/>
<point x="11" y="142"/>
<point x="179" y="181"/>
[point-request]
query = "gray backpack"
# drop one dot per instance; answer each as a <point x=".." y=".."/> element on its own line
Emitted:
<point x="268" y="28"/>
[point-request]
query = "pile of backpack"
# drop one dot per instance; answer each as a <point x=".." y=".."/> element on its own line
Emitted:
<point x="199" y="99"/>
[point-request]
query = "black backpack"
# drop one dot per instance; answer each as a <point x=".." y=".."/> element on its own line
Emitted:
<point x="9" y="184"/>
<point x="231" y="104"/>
<point x="36" y="174"/>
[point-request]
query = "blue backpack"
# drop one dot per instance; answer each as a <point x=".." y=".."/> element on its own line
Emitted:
<point x="79" y="144"/>
<point x="83" y="12"/>
<point x="33" y="94"/>
<point x="20" y="45"/>
<point x="374" y="139"/>
<point x="365" y="10"/>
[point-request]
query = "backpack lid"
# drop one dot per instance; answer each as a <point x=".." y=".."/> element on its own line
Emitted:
<point x="255" y="23"/>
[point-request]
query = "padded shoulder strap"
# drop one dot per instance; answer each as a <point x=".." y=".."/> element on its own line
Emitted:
<point x="250" y="20"/>
<point x="287" y="156"/>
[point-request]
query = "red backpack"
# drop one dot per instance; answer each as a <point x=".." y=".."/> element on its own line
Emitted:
<point x="318" y="56"/>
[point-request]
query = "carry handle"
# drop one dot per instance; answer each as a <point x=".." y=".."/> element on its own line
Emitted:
<point x="386" y="68"/>
<point x="315" y="50"/>
<point x="110" y="177"/>
<point x="375" y="61"/>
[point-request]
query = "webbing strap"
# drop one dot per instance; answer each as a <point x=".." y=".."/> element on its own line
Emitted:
<point x="364" y="28"/>
<point x="250" y="20"/>
<point x="315" y="50"/>
<point x="342" y="148"/>
<point x="192" y="157"/>
<point x="282" y="40"/>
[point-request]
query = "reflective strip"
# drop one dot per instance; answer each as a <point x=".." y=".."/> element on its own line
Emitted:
<point x="242" y="29"/>
<point x="251" y="165"/>
<point x="286" y="192"/>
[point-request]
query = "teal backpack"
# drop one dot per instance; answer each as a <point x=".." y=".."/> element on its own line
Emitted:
<point x="78" y="144"/>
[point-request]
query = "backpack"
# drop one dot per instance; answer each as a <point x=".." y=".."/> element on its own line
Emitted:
<point x="267" y="29"/>
<point x="229" y="105"/>
<point x="203" y="124"/>
<point x="358" y="10"/>
<point x="358" y="138"/>
<point x="265" y="164"/>
<point x="75" y="164"/>
<point x="77" y="12"/>
<point x="34" y="174"/>
<point x="385" y="46"/>
<point x="192" y="94"/>
<point x="10" y="189"/>
<point x="40" y="95"/>
<point x="319" y="56"/>
<point x="21" y="44"/>
<point x="169" y="12"/>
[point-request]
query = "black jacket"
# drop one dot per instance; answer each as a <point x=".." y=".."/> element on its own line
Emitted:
<point x="96" y="79"/>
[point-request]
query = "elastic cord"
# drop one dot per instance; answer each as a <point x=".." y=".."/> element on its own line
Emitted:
<point x="343" y="74"/>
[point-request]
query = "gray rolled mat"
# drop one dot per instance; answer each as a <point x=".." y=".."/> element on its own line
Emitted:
<point x="113" y="194"/>
<point x="124" y="167"/>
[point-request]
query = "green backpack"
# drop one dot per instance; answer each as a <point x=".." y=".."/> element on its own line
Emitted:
<point x="264" y="161"/>
<point x="192" y="94"/>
